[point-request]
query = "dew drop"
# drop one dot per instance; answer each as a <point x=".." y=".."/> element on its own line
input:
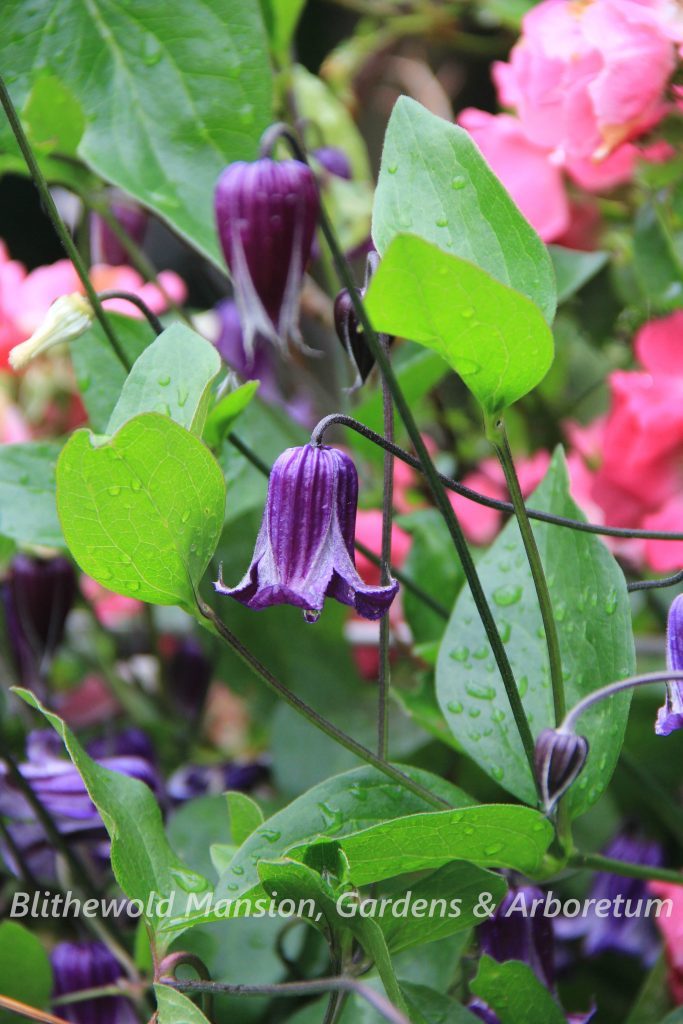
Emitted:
<point x="493" y="849"/>
<point x="185" y="516"/>
<point x="497" y="773"/>
<point x="189" y="881"/>
<point x="455" y="707"/>
<point x="523" y="686"/>
<point x="163" y="382"/>
<point x="114" y="490"/>
<point x="474" y="712"/>
<point x="481" y="653"/>
<point x="480" y="692"/>
<point x="508" y="594"/>
<point x="504" y="628"/>
<point x="237" y="869"/>
<point x="442" y="222"/>
<point x="134" y="585"/>
<point x="392" y="168"/>
<point x="271" y="835"/>
<point x="135" y="485"/>
<point x="611" y="602"/>
<point x="460" y="653"/>
<point x="458" y="182"/>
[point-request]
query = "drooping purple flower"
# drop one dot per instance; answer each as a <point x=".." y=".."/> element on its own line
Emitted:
<point x="59" y="787"/>
<point x="38" y="594"/>
<point x="77" y="966"/>
<point x="632" y="935"/>
<point x="105" y="246"/>
<point x="335" y="161"/>
<point x="195" y="780"/>
<point x="559" y="757"/>
<point x="516" y="932"/>
<point x="266" y="213"/>
<point x="188" y="675"/>
<point x="255" y="364"/>
<point x="670" y="716"/>
<point x="305" y="548"/>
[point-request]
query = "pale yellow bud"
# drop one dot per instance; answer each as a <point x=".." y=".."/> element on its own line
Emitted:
<point x="65" y="320"/>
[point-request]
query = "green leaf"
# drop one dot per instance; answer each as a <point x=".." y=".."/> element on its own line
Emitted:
<point x="491" y="835"/>
<point x="99" y="373"/>
<point x="342" y="804"/>
<point x="141" y="858"/>
<point x="591" y="606"/>
<point x="435" y="183"/>
<point x="515" y="993"/>
<point x="143" y="512"/>
<point x="573" y="269"/>
<point x="245" y="816"/>
<point x="28" y="504"/>
<point x="437" y="919"/>
<point x="493" y="337"/>
<point x="53" y="117"/>
<point x="658" y="267"/>
<point x="434" y="1007"/>
<point x="175" y="1008"/>
<point x="25" y="972"/>
<point x="282" y="17"/>
<point x="221" y="418"/>
<point x="180" y="91"/>
<point x="172" y="376"/>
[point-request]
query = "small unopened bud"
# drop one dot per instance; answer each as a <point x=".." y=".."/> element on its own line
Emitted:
<point x="65" y="320"/>
<point x="559" y="757"/>
<point x="351" y="335"/>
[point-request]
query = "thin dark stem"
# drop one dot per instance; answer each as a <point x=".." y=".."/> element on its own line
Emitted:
<point x="498" y="437"/>
<point x="299" y="988"/>
<point x="501" y="506"/>
<point x="153" y="320"/>
<point x="57" y="222"/>
<point x="384" y="674"/>
<point x="647" y="679"/>
<point x="304" y="709"/>
<point x="436" y="487"/>
<point x="596" y="862"/>
<point x="665" y="581"/>
<point x="404" y="580"/>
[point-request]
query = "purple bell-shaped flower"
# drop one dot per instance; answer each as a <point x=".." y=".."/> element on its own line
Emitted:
<point x="77" y="966"/>
<point x="37" y="595"/>
<point x="105" y="245"/>
<point x="670" y="715"/>
<point x="266" y="213"/>
<point x="305" y="547"/>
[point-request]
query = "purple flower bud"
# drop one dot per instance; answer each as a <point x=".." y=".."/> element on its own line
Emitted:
<point x="514" y="932"/>
<point x="266" y="214"/>
<point x="188" y="675"/>
<point x="350" y="331"/>
<point x="558" y="759"/>
<point x="351" y="335"/>
<point x="77" y="966"/>
<point x="104" y="244"/>
<point x="335" y="161"/>
<point x="195" y="780"/>
<point x="305" y="547"/>
<point x="619" y="932"/>
<point x="670" y="716"/>
<point x="38" y="595"/>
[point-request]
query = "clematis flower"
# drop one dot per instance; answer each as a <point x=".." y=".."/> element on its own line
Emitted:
<point x="513" y="932"/>
<point x="77" y="966"/>
<point x="305" y="547"/>
<point x="60" y="788"/>
<point x="266" y="214"/>
<point x="670" y="716"/>
<point x="616" y="932"/>
<point x="105" y="246"/>
<point x="335" y="161"/>
<point x="559" y="757"/>
<point x="195" y="780"/>
<point x="37" y="596"/>
<point x="66" y="319"/>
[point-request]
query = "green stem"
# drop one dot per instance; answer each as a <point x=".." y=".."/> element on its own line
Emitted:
<point x="438" y="492"/>
<point x="384" y="675"/>
<point x="304" y="709"/>
<point x="596" y="862"/>
<point x="57" y="222"/>
<point x="495" y="430"/>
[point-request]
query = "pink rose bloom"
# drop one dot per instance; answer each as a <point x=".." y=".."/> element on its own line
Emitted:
<point x="671" y="927"/>
<point x="533" y="181"/>
<point x="587" y="75"/>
